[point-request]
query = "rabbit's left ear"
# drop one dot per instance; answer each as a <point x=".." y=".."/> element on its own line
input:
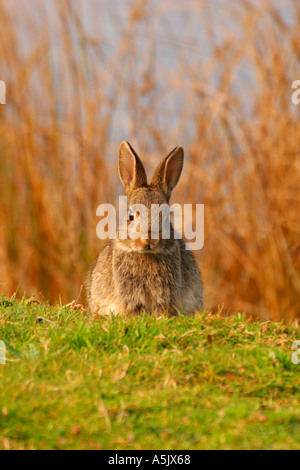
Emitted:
<point x="167" y="174"/>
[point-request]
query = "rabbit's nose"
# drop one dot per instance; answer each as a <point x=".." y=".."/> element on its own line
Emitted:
<point x="149" y="244"/>
<point x="145" y="242"/>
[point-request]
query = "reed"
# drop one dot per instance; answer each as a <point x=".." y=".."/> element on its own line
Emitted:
<point x="211" y="76"/>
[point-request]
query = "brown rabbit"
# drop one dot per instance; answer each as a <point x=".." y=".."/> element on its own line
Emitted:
<point x="154" y="275"/>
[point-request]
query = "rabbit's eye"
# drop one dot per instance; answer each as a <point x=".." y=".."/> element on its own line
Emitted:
<point x="130" y="215"/>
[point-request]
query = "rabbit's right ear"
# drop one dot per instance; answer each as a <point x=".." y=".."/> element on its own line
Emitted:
<point x="131" y="169"/>
<point x="167" y="174"/>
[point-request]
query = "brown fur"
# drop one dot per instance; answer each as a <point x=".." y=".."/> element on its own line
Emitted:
<point x="153" y="275"/>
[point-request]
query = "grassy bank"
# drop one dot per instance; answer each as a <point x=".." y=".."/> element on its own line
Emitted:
<point x="71" y="381"/>
<point x="212" y="76"/>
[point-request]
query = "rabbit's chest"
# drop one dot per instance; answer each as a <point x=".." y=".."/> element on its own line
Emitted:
<point x="145" y="285"/>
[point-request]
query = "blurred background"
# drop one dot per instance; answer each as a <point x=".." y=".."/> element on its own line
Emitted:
<point x="213" y="76"/>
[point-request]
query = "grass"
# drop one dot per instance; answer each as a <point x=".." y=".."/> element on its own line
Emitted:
<point x="203" y="382"/>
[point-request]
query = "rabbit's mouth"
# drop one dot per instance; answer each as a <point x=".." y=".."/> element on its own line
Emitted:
<point x="148" y="246"/>
<point x="148" y="250"/>
<point x="144" y="246"/>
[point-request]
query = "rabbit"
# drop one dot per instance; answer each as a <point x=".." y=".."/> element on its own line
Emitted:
<point x="157" y="276"/>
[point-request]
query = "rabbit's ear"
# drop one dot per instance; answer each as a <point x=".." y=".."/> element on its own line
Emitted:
<point x="131" y="169"/>
<point x="167" y="174"/>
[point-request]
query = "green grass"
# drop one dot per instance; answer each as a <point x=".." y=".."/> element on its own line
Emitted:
<point x="204" y="382"/>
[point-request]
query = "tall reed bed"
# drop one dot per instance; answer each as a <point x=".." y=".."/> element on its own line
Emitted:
<point x="213" y="76"/>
